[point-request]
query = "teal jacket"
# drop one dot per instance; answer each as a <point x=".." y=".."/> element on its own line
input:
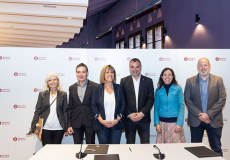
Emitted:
<point x="169" y="106"/>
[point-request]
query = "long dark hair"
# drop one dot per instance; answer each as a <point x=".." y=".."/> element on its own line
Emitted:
<point x="161" y="82"/>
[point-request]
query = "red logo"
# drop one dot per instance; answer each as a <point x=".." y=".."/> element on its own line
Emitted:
<point x="35" y="89"/>
<point x="217" y="59"/>
<point x="15" y="139"/>
<point x="146" y="74"/>
<point x="35" y="58"/>
<point x="70" y="58"/>
<point x="96" y="59"/>
<point x="161" y="59"/>
<point x="15" y="74"/>
<point x="34" y="153"/>
<point x="15" y="106"/>
<point x="186" y="119"/>
<point x="128" y="59"/>
<point x="0" y="57"/>
<point x="185" y="58"/>
<point x="0" y="90"/>
<point x="0" y="122"/>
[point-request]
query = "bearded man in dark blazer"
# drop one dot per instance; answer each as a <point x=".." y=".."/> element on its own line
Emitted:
<point x="80" y="114"/>
<point x="205" y="97"/>
<point x="139" y="96"/>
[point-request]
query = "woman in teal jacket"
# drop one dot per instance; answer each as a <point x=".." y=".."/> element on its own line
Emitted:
<point x="169" y="109"/>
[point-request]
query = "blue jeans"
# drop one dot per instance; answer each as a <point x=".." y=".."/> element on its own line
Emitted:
<point x="214" y="136"/>
<point x="109" y="136"/>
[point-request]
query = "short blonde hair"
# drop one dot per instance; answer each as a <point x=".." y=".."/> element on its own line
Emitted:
<point x="104" y="69"/>
<point x="46" y="86"/>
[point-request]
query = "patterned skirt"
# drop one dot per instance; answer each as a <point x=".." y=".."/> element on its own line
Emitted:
<point x="168" y="134"/>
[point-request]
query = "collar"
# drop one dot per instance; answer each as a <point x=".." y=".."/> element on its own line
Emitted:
<point x="135" y="79"/>
<point x="202" y="79"/>
<point x="173" y="87"/>
<point x="78" y="84"/>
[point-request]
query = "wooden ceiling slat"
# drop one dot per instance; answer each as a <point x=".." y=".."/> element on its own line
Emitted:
<point x="36" y="33"/>
<point x="31" y="27"/>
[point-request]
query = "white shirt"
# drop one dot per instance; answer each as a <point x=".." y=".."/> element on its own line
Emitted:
<point x="52" y="122"/>
<point x="136" y="84"/>
<point x="109" y="104"/>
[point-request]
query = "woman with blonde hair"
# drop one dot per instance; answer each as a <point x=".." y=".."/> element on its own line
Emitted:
<point x="51" y="106"/>
<point x="108" y="105"/>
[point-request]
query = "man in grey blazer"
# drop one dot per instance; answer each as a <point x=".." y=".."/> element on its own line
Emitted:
<point x="205" y="97"/>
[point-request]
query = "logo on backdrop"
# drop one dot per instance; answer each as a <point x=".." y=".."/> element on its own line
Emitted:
<point x="61" y="74"/>
<point x="18" y="139"/>
<point x="129" y="59"/>
<point x="74" y="59"/>
<point x="220" y="59"/>
<point x="4" y="156"/>
<point x="99" y="59"/>
<point x="150" y="74"/>
<point x="39" y="58"/>
<point x="164" y="59"/>
<point x="4" y="58"/>
<point x="225" y="119"/>
<point x="189" y="59"/>
<point x="4" y="123"/>
<point x="4" y="90"/>
<point x="224" y="150"/>
<point x="19" y="74"/>
<point x="152" y="136"/>
<point x="37" y="90"/>
<point x="19" y="106"/>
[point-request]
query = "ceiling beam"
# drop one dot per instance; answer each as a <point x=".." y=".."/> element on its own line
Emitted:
<point x="32" y="27"/>
<point x="34" y="37"/>
<point x="22" y="19"/>
<point x="3" y="43"/>
<point x="44" y="10"/>
<point x="37" y="33"/>
<point x="30" y="41"/>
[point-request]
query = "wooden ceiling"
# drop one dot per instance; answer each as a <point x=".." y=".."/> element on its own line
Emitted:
<point x="40" y="23"/>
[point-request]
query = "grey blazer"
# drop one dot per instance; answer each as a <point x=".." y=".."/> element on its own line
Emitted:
<point x="216" y="100"/>
<point x="42" y="109"/>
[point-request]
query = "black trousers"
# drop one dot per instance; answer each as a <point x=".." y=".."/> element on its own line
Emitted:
<point x="143" y="131"/>
<point x="79" y="134"/>
<point x="52" y="136"/>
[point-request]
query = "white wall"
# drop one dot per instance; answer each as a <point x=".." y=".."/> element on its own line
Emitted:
<point x="32" y="65"/>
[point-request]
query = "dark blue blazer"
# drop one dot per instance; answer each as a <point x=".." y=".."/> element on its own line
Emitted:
<point x="98" y="106"/>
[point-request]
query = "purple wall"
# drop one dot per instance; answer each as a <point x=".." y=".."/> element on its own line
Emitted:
<point x="213" y="30"/>
<point x="89" y="33"/>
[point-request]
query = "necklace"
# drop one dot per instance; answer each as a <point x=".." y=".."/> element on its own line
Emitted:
<point x="53" y="93"/>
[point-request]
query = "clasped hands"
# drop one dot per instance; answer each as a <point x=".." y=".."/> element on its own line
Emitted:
<point x="177" y="128"/>
<point x="135" y="117"/>
<point x="204" y="118"/>
<point x="109" y="124"/>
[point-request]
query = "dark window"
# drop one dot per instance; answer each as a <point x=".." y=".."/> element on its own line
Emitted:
<point x="135" y="41"/>
<point x="155" y="36"/>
